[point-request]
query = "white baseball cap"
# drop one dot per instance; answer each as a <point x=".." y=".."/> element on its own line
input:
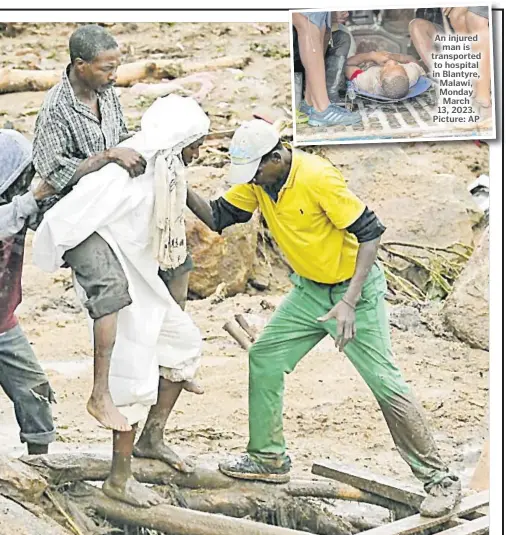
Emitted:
<point x="251" y="141"/>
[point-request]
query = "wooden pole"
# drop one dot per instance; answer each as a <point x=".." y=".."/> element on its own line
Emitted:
<point x="245" y="326"/>
<point x="15" y="80"/>
<point x="175" y="520"/>
<point x="233" y="329"/>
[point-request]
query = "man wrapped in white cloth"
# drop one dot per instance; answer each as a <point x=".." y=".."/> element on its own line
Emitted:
<point x="157" y="345"/>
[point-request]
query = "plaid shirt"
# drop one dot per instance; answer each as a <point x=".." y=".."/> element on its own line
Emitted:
<point x="67" y="132"/>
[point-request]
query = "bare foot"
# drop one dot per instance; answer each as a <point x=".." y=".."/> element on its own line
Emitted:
<point x="193" y="386"/>
<point x="165" y="453"/>
<point x="103" y="409"/>
<point x="132" y="492"/>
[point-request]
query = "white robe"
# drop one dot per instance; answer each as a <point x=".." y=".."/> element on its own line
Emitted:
<point x="153" y="331"/>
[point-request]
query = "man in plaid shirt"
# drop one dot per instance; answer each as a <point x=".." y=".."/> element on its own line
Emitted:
<point x="76" y="133"/>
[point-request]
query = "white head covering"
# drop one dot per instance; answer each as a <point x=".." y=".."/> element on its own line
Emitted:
<point x="15" y="155"/>
<point x="188" y="123"/>
<point x="172" y="123"/>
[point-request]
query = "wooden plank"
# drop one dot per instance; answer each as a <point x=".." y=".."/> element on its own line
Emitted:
<point x="480" y="526"/>
<point x="370" y="482"/>
<point x="417" y="523"/>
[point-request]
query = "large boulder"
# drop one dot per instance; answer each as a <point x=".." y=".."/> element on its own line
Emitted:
<point x="467" y="308"/>
<point x="219" y="259"/>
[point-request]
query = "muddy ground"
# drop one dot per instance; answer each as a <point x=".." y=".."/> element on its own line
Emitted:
<point x="329" y="412"/>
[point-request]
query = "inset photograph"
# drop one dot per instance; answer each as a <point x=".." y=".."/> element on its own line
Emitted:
<point x="392" y="74"/>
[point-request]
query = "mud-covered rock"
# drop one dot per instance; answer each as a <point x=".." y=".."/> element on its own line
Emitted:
<point x="466" y="310"/>
<point x="227" y="258"/>
<point x="20" y="481"/>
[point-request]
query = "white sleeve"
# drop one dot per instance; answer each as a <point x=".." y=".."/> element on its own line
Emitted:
<point x="13" y="216"/>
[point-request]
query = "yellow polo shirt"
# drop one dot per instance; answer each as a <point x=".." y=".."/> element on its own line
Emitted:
<point x="310" y="218"/>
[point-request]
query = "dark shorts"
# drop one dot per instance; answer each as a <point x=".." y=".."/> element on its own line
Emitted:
<point x="169" y="275"/>
<point x="99" y="272"/>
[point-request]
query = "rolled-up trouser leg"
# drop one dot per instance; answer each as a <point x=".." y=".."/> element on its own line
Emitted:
<point x="371" y="354"/>
<point x="99" y="272"/>
<point x="26" y="384"/>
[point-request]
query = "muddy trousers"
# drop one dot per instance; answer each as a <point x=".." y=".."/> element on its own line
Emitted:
<point x="27" y="386"/>
<point x="294" y="330"/>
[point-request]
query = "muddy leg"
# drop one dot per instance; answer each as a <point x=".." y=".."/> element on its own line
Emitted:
<point x="121" y="485"/>
<point x="178" y="288"/>
<point x="99" y="273"/>
<point x="100" y="404"/>
<point x="37" y="449"/>
<point x="151" y="443"/>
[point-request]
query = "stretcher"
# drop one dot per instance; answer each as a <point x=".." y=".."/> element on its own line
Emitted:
<point x="352" y="92"/>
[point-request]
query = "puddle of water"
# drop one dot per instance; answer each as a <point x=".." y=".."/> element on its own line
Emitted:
<point x="69" y="368"/>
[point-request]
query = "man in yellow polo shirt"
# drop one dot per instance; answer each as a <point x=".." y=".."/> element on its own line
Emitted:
<point x="330" y="238"/>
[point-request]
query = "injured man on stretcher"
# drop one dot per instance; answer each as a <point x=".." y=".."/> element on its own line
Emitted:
<point x="141" y="220"/>
<point x="383" y="73"/>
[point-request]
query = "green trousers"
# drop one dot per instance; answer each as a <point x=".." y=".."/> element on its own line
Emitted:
<point x="294" y="330"/>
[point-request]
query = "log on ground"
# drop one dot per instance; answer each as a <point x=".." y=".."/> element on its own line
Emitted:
<point x="16" y="80"/>
<point x="174" y="520"/>
<point x="299" y="504"/>
<point x="66" y="468"/>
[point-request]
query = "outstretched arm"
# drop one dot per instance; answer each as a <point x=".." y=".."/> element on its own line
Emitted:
<point x="201" y="208"/>
<point x="218" y="214"/>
